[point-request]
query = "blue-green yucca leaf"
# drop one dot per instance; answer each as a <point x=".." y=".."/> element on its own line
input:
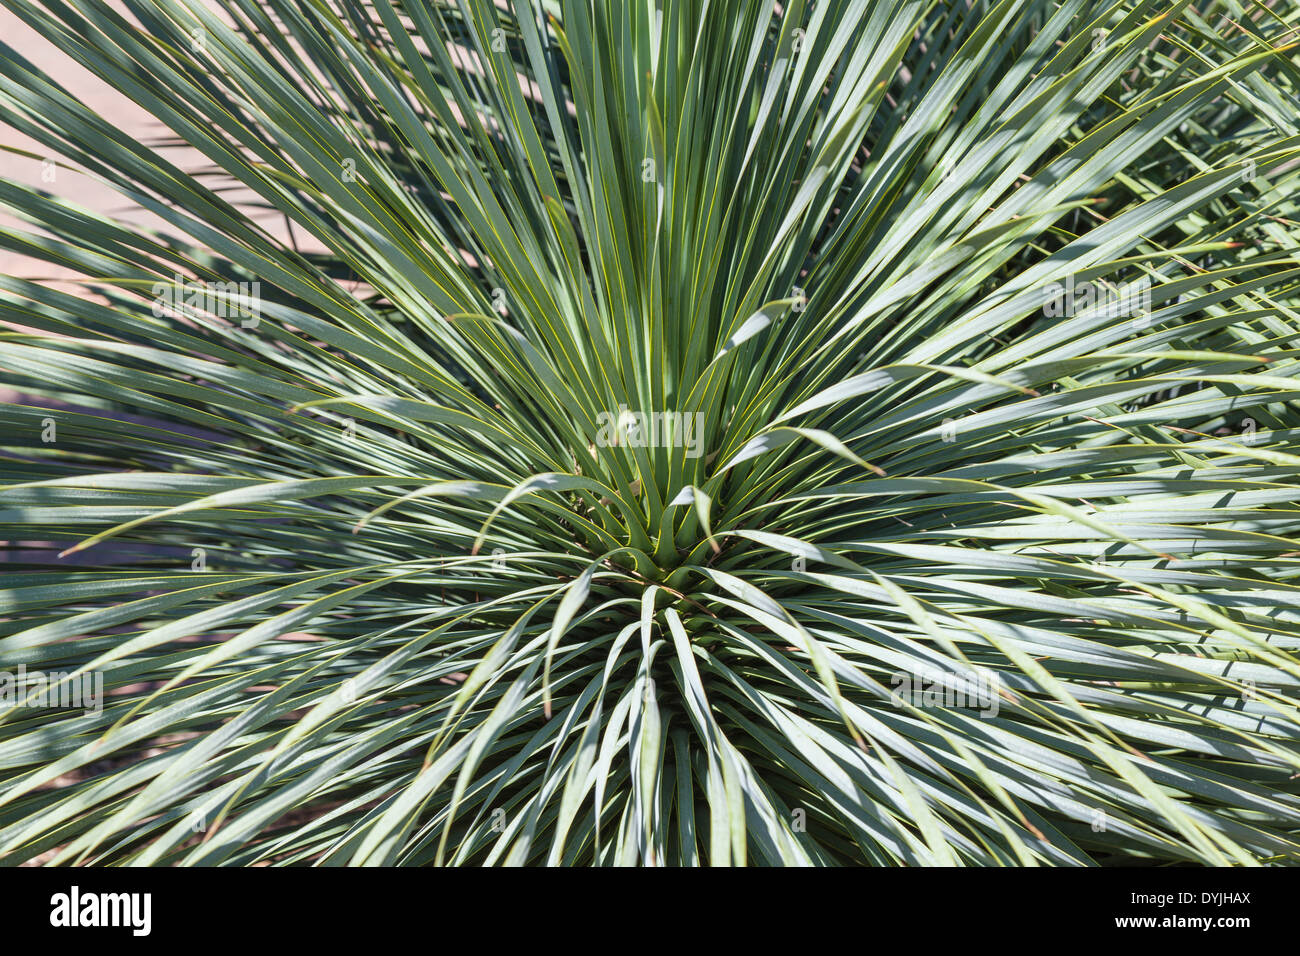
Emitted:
<point x="852" y="432"/>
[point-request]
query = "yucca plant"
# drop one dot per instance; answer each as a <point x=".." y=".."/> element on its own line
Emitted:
<point x="834" y="432"/>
